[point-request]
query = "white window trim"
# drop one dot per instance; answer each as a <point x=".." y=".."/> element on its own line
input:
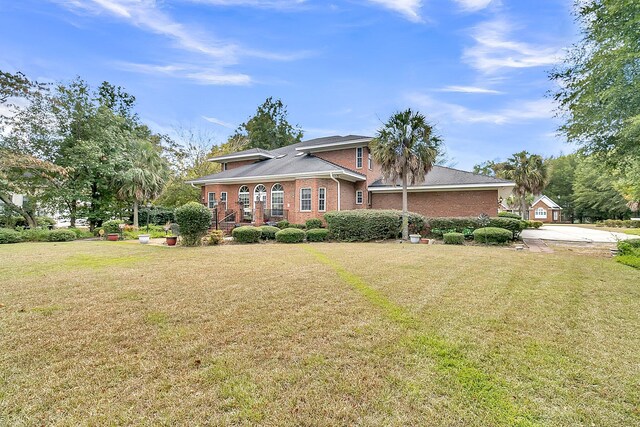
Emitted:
<point x="540" y="213"/>
<point x="361" y="197"/>
<point x="310" y="199"/>
<point x="277" y="191"/>
<point x="369" y="161"/>
<point x="209" y="201"/>
<point x="361" y="157"/>
<point x="324" y="199"/>
<point x="225" y="196"/>
<point x="224" y="166"/>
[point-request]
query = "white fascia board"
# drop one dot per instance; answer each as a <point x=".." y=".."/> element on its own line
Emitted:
<point x="336" y="145"/>
<point x="448" y="187"/>
<point x="350" y="176"/>
<point x="239" y="157"/>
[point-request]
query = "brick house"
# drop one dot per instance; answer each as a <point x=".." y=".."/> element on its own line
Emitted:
<point x="545" y="210"/>
<point x="307" y="179"/>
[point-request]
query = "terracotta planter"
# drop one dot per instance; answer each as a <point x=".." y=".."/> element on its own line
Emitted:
<point x="424" y="241"/>
<point x="172" y="240"/>
<point x="113" y="237"/>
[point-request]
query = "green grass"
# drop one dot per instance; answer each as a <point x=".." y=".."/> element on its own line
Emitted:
<point x="111" y="333"/>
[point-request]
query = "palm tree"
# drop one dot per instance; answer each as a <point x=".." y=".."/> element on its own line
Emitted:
<point x="406" y="148"/>
<point x="529" y="172"/>
<point x="145" y="178"/>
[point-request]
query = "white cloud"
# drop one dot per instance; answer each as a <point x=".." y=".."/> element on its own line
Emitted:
<point x="410" y="9"/>
<point x="201" y="75"/>
<point x="218" y="122"/>
<point x="469" y="89"/>
<point x="473" y="5"/>
<point x="516" y="112"/>
<point x="494" y="50"/>
<point x="267" y="4"/>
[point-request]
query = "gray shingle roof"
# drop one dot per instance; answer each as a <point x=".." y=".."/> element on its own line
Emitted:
<point x="331" y="140"/>
<point x="287" y="161"/>
<point x="441" y="175"/>
<point x="256" y="151"/>
<point x="547" y="201"/>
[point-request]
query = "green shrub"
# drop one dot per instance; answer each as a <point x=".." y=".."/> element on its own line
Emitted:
<point x="112" y="226"/>
<point x="635" y="223"/>
<point x="630" y="260"/>
<point x="269" y="232"/>
<point x="215" y="237"/>
<point x="7" y="235"/>
<point x="81" y="234"/>
<point x="282" y="224"/>
<point x="492" y="235"/>
<point x="317" y="235"/>
<point x="453" y="238"/>
<point x="298" y="226"/>
<point x="158" y="215"/>
<point x="247" y="234"/>
<point x="313" y="223"/>
<point x="369" y="224"/>
<point x="35" y="235"/>
<point x="465" y="225"/>
<point x="514" y="225"/>
<point x="629" y="247"/>
<point x="290" y="235"/>
<point x="534" y="224"/>
<point x="61" y="235"/>
<point x="45" y="221"/>
<point x="508" y="215"/>
<point x="194" y="221"/>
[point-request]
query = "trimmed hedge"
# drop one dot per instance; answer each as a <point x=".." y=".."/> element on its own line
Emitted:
<point x="534" y="224"/>
<point x="247" y="234"/>
<point x="514" y="225"/>
<point x="282" y="224"/>
<point x="369" y="224"/>
<point x="290" y="235"/>
<point x="194" y="220"/>
<point x="61" y="235"/>
<point x="509" y="215"/>
<point x="312" y="223"/>
<point x="317" y="235"/>
<point x="492" y="235"/>
<point x="215" y="237"/>
<point x="453" y="238"/>
<point x="35" y="235"/>
<point x="465" y="225"/>
<point x="8" y="235"/>
<point x="269" y="232"/>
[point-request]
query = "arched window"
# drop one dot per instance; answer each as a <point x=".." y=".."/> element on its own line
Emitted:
<point x="541" y="213"/>
<point x="243" y="198"/>
<point x="259" y="194"/>
<point x="277" y="200"/>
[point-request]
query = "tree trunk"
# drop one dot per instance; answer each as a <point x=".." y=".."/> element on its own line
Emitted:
<point x="28" y="216"/>
<point x="93" y="208"/>
<point x="523" y="206"/>
<point x="135" y="214"/>
<point x="405" y="207"/>
<point x="73" y="213"/>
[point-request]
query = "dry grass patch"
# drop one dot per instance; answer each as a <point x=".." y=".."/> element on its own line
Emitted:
<point x="108" y="333"/>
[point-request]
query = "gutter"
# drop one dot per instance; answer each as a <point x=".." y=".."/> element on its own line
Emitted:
<point x="337" y="182"/>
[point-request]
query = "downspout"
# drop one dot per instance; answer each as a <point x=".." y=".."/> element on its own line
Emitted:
<point x="337" y="182"/>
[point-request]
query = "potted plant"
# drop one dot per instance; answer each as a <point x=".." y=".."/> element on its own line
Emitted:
<point x="113" y="237"/>
<point x="172" y="240"/>
<point x="424" y="241"/>
<point x="171" y="233"/>
<point x="144" y="238"/>
<point x="415" y="238"/>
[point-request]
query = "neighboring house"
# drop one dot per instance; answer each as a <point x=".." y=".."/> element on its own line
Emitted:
<point x="544" y="209"/>
<point x="307" y="179"/>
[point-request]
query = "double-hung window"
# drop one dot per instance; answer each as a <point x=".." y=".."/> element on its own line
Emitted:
<point x="322" y="199"/>
<point x="359" y="197"/>
<point x="223" y="199"/>
<point x="541" y="213"/>
<point x="359" y="152"/>
<point x="305" y="200"/>
<point x="211" y="201"/>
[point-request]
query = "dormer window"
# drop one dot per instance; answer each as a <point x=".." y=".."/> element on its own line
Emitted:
<point x="359" y="153"/>
<point x="224" y="167"/>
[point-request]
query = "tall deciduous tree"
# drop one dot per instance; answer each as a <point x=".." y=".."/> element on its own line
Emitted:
<point x="596" y="197"/>
<point x="529" y="173"/>
<point x="268" y="128"/>
<point x="599" y="83"/>
<point x="561" y="172"/>
<point x="406" y="148"/>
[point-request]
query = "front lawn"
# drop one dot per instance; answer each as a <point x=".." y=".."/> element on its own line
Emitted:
<point x="117" y="333"/>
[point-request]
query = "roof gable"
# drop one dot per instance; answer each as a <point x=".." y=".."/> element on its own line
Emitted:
<point x="547" y="201"/>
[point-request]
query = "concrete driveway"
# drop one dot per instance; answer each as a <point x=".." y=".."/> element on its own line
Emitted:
<point x="569" y="233"/>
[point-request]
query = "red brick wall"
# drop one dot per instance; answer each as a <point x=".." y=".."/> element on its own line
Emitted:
<point x="233" y="165"/>
<point x="549" y="217"/>
<point x="347" y="158"/>
<point x="442" y="203"/>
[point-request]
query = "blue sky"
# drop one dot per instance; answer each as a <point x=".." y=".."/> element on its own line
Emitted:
<point x="476" y="68"/>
